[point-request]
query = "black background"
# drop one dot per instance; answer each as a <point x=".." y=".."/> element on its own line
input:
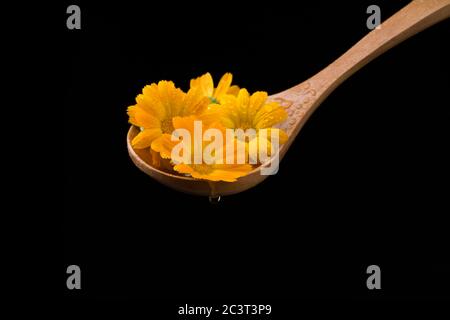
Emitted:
<point x="366" y="181"/>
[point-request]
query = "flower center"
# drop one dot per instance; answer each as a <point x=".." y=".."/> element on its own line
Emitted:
<point x="202" y="168"/>
<point x="167" y="126"/>
<point x="214" y="100"/>
<point x="245" y="125"/>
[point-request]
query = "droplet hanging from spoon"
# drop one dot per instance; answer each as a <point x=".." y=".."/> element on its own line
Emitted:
<point x="214" y="199"/>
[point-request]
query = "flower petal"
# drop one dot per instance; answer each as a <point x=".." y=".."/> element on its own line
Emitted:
<point x="243" y="100"/>
<point x="202" y="176"/>
<point x="243" y="97"/>
<point x="184" y="123"/>
<point x="144" y="138"/>
<point x="257" y="100"/>
<point x="146" y="120"/>
<point x="223" y="86"/>
<point x="213" y="113"/>
<point x="131" y="111"/>
<point x="234" y="90"/>
<point x="230" y="173"/>
<point x="151" y="101"/>
<point x="195" y="102"/>
<point x="183" y="168"/>
<point x="282" y="135"/>
<point x="155" y="158"/>
<point x="172" y="98"/>
<point x="164" y="145"/>
<point x="205" y="83"/>
<point x="269" y="115"/>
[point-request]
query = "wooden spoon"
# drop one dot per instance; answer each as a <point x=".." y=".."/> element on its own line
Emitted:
<point x="301" y="100"/>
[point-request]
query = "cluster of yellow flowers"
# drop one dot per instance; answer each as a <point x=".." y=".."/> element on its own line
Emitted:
<point x="162" y="108"/>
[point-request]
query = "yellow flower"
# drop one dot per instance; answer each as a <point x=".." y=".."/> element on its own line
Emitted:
<point x="212" y="172"/>
<point x="206" y="85"/>
<point x="158" y="105"/>
<point x="252" y="112"/>
<point x="162" y="108"/>
<point x="245" y="111"/>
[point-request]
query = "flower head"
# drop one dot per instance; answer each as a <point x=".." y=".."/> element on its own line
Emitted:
<point x="245" y="111"/>
<point x="158" y="105"/>
<point x="162" y="111"/>
<point x="206" y="84"/>
<point x="215" y="171"/>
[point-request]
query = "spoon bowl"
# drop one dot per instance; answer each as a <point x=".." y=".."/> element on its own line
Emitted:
<point x="187" y="184"/>
<point x="302" y="100"/>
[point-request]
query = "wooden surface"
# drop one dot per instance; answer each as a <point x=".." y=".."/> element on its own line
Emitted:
<point x="301" y="100"/>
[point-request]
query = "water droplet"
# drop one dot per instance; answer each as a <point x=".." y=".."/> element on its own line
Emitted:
<point x="214" y="199"/>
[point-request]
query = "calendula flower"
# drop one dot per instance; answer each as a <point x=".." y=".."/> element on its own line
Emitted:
<point x="206" y="84"/>
<point x="216" y="171"/>
<point x="158" y="105"/>
<point x="244" y="111"/>
<point x="252" y="112"/>
<point x="162" y="108"/>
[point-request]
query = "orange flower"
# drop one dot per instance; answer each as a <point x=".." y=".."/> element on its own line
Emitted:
<point x="206" y="84"/>
<point x="216" y="171"/>
<point x="158" y="105"/>
<point x="246" y="111"/>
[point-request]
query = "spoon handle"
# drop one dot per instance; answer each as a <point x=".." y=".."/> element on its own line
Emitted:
<point x="413" y="18"/>
<point x="301" y="100"/>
